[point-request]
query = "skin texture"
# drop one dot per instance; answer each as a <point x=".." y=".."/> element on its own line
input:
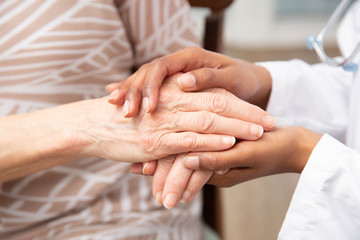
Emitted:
<point x="204" y="70"/>
<point x="284" y="149"/>
<point x="182" y="122"/>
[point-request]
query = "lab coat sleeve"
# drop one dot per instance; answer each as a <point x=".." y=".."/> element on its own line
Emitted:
<point x="311" y="96"/>
<point x="326" y="202"/>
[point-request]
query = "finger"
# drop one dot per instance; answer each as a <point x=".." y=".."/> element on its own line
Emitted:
<point x="207" y="122"/>
<point x="117" y="97"/>
<point x="136" y="168"/>
<point x="197" y="180"/>
<point x="176" y="182"/>
<point x="133" y="93"/>
<point x="113" y="86"/>
<point x="238" y="156"/>
<point x="232" y="177"/>
<point x="204" y="78"/>
<point x="132" y="101"/>
<point x="149" y="167"/>
<point x="174" y="143"/>
<point x="162" y="171"/>
<point x="227" y="105"/>
<point x="183" y="60"/>
<point x="155" y="76"/>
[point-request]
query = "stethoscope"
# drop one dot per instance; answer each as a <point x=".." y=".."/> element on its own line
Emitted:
<point x="316" y="42"/>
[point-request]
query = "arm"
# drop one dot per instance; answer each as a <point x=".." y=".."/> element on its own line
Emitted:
<point x="50" y="137"/>
<point x="204" y="70"/>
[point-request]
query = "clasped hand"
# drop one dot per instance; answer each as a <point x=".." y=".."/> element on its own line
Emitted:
<point x="214" y="111"/>
<point x="284" y="149"/>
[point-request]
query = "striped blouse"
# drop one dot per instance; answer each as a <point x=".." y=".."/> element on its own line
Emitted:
<point x="54" y="52"/>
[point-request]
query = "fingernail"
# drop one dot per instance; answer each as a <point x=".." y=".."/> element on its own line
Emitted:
<point x="229" y="141"/>
<point x="186" y="197"/>
<point x="170" y="201"/>
<point x="269" y="121"/>
<point x="113" y="94"/>
<point x="146" y="104"/>
<point x="187" y="81"/>
<point x="109" y="86"/>
<point x="222" y="172"/>
<point x="158" y="198"/>
<point x="256" y="130"/>
<point x="144" y="167"/>
<point x="126" y="108"/>
<point x="191" y="162"/>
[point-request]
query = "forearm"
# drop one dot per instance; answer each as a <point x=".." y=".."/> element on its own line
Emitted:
<point x="38" y="140"/>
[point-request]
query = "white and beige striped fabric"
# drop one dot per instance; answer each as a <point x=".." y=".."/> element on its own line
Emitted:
<point x="55" y="52"/>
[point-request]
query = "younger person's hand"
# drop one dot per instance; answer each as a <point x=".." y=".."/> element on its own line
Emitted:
<point x="204" y="70"/>
<point x="285" y="149"/>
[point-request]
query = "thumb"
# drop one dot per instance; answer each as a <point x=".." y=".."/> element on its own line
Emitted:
<point x="203" y="78"/>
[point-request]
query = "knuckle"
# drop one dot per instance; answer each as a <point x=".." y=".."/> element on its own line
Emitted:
<point x="193" y="51"/>
<point x="167" y="95"/>
<point x="157" y="61"/>
<point x="177" y="181"/>
<point x="206" y="121"/>
<point x="151" y="142"/>
<point x="189" y="141"/>
<point x="148" y="86"/>
<point x="218" y="103"/>
<point x="133" y="90"/>
<point x="245" y="114"/>
<point x="143" y="67"/>
<point x="159" y="65"/>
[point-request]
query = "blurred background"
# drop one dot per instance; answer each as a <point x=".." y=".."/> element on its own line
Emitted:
<point x="263" y="30"/>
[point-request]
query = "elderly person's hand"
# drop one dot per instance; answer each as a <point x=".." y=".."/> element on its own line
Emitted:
<point x="53" y="136"/>
<point x="178" y="125"/>
<point x="172" y="181"/>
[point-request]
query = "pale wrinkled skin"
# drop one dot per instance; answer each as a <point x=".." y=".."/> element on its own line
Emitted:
<point x="174" y="127"/>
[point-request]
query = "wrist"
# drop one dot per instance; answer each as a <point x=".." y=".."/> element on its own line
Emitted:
<point x="306" y="141"/>
<point x="264" y="82"/>
<point x="100" y="130"/>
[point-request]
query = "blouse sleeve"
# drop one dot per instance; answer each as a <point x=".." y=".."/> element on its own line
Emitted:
<point x="158" y="28"/>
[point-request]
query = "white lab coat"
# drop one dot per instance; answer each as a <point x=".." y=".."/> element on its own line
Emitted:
<point x="326" y="202"/>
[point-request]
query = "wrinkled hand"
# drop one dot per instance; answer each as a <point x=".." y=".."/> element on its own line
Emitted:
<point x="182" y="122"/>
<point x="285" y="149"/>
<point x="204" y="70"/>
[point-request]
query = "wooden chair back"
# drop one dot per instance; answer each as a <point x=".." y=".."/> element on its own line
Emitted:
<point x="213" y="40"/>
